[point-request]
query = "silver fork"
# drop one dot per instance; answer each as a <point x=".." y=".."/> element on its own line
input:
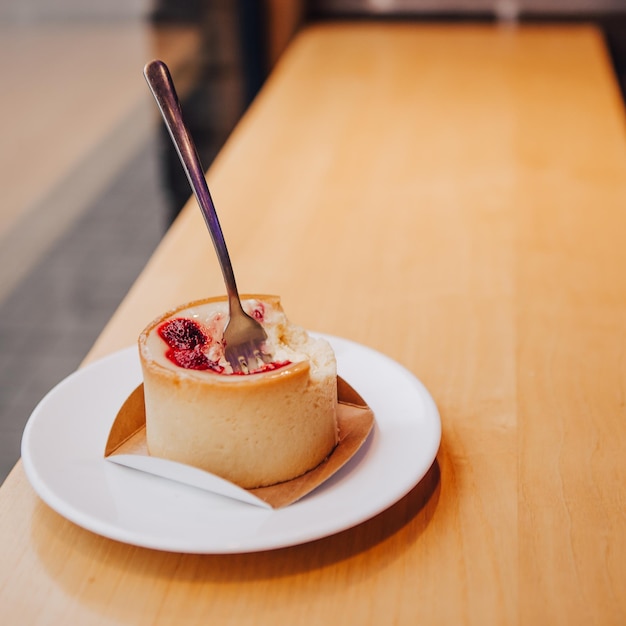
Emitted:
<point x="244" y="337"/>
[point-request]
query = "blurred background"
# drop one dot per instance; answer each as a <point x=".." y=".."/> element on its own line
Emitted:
<point x="89" y="181"/>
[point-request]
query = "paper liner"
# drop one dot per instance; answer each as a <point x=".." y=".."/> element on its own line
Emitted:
<point x="126" y="445"/>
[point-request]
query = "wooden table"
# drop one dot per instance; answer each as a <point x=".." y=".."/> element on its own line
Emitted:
<point x="455" y="197"/>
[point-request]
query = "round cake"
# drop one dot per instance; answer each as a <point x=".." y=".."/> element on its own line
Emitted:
<point x="255" y="429"/>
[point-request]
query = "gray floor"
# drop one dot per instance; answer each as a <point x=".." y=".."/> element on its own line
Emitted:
<point x="51" y="319"/>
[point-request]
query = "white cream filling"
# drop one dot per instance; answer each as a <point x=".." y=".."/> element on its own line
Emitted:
<point x="286" y="341"/>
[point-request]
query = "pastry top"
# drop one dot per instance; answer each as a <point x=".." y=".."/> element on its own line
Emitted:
<point x="187" y="341"/>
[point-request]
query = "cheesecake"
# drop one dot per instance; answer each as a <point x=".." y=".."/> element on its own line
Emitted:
<point x="254" y="429"/>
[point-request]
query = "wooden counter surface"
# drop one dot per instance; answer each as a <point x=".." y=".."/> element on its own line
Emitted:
<point x="455" y="197"/>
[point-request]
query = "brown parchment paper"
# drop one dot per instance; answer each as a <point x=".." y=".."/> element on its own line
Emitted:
<point x="354" y="417"/>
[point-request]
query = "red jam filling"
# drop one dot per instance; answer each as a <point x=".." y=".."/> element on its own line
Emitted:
<point x="266" y="367"/>
<point x="186" y="340"/>
<point x="183" y="334"/>
<point x="259" y="312"/>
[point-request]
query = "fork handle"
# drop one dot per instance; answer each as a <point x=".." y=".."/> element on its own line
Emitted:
<point x="162" y="86"/>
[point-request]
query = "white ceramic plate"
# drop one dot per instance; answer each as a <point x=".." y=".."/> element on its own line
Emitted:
<point x="63" y="445"/>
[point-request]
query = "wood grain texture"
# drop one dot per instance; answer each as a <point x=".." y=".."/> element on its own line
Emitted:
<point x="454" y="197"/>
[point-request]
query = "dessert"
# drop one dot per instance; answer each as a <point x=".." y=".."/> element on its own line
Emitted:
<point x="255" y="429"/>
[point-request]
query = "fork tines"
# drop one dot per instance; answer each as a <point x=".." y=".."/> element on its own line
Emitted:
<point x="246" y="358"/>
